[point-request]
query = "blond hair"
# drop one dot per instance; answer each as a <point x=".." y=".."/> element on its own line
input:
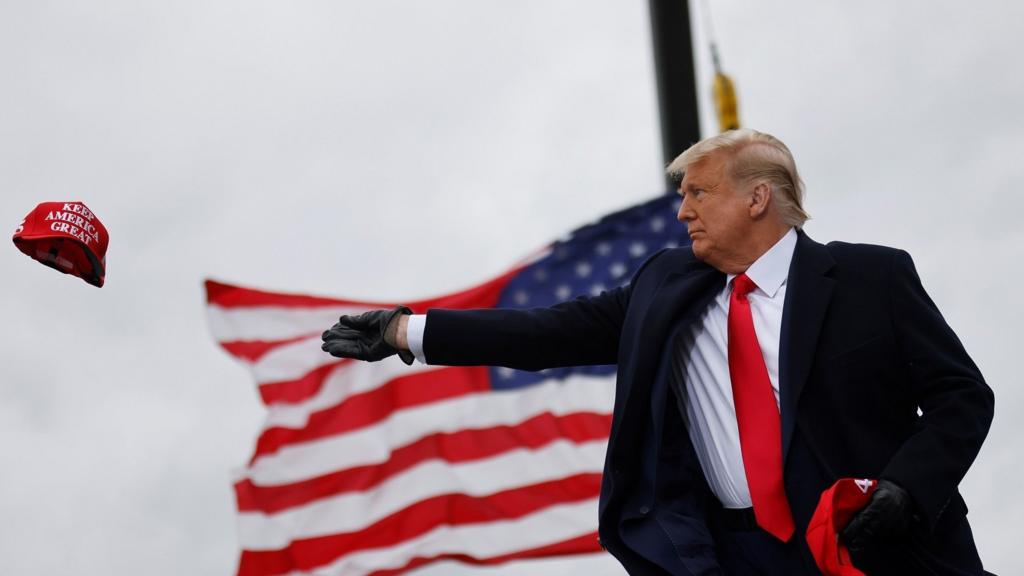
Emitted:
<point x="753" y="156"/>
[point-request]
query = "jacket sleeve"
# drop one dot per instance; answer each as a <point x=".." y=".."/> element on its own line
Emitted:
<point x="583" y="331"/>
<point x="955" y="403"/>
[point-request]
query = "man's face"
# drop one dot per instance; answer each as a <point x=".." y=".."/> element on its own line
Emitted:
<point x="716" y="213"/>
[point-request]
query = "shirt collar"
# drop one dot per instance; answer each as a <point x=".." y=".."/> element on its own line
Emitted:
<point x="769" y="272"/>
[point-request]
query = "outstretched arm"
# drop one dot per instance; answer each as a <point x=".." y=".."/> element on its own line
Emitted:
<point x="583" y="331"/>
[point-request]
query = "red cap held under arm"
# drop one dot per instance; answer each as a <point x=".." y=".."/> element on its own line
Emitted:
<point x="66" y="236"/>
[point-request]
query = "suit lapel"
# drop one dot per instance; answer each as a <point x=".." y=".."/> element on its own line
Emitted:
<point x="681" y="296"/>
<point x="808" y="293"/>
<point x="677" y="301"/>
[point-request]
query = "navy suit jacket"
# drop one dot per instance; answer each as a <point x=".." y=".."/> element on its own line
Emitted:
<point x="873" y="384"/>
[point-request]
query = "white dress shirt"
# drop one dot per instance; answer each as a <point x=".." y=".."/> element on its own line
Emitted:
<point x="414" y="336"/>
<point x="701" y="363"/>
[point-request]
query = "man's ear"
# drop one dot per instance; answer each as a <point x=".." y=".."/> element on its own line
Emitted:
<point x="760" y="198"/>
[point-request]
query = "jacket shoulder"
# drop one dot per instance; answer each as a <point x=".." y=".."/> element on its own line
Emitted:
<point x="669" y="259"/>
<point x="861" y="255"/>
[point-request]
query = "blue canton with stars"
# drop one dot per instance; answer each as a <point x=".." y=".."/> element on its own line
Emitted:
<point x="590" y="260"/>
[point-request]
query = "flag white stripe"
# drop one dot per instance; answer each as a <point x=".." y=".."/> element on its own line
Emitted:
<point x="355" y="510"/>
<point x="274" y="322"/>
<point x="498" y="538"/>
<point x="374" y="444"/>
<point x="291" y="362"/>
<point x="342" y="382"/>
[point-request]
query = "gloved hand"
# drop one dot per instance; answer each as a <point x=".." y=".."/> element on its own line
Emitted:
<point x="882" y="524"/>
<point x="369" y="336"/>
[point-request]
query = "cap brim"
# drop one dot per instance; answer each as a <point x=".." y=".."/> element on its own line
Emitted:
<point x="98" y="272"/>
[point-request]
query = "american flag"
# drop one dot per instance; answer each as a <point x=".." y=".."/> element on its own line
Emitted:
<point x="378" y="468"/>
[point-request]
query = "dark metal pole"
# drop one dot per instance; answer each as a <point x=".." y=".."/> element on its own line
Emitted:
<point x="677" y="81"/>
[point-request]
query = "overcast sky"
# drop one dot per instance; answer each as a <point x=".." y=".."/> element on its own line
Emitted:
<point x="397" y="150"/>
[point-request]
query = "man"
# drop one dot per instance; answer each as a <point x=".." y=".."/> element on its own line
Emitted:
<point x="755" y="368"/>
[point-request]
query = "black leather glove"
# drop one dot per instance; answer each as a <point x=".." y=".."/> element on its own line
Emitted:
<point x="366" y="336"/>
<point x="882" y="525"/>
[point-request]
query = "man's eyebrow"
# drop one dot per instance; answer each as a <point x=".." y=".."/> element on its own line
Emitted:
<point x="691" y="186"/>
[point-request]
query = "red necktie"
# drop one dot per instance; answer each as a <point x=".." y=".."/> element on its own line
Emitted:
<point x="757" y="414"/>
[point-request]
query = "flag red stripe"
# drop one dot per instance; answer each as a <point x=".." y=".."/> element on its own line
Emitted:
<point x="586" y="543"/>
<point x="370" y="407"/>
<point x="228" y="296"/>
<point x="446" y="510"/>
<point x="300" y="389"/>
<point x="453" y="447"/>
<point x="253" y="350"/>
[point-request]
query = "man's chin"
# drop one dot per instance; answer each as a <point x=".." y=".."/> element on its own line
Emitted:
<point x="700" y="250"/>
<point x="705" y="254"/>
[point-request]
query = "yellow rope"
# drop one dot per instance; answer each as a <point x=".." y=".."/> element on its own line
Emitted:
<point x="725" y="103"/>
<point x="722" y="89"/>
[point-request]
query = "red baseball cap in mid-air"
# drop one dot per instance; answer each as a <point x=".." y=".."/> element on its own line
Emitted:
<point x="66" y="236"/>
<point x="836" y="508"/>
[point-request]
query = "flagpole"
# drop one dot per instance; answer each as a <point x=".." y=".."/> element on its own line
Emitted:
<point x="675" y="75"/>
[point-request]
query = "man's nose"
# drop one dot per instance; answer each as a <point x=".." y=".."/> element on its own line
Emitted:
<point x="684" y="214"/>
